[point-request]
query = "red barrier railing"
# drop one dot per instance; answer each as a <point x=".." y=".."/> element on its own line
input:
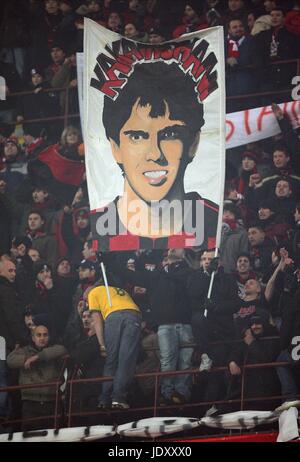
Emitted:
<point x="154" y="410"/>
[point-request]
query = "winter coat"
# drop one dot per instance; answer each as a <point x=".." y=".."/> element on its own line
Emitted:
<point x="46" y="369"/>
<point x="263" y="381"/>
<point x="11" y="322"/>
<point x="168" y="296"/>
<point x="233" y="243"/>
<point x="224" y="297"/>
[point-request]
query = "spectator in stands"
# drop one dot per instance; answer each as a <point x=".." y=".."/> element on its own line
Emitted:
<point x="214" y="12"/>
<point x="295" y="237"/>
<point x="43" y="242"/>
<point x="38" y="362"/>
<point x="13" y="158"/>
<point x="88" y="252"/>
<point x="87" y="273"/>
<point x="274" y="45"/>
<point x="36" y="199"/>
<point x="24" y="279"/>
<point x="75" y="229"/>
<point x="64" y="181"/>
<point x="281" y="171"/>
<point x="239" y="55"/>
<point x="253" y="302"/>
<point x="148" y="362"/>
<point x="34" y="255"/>
<point x="261" y="249"/>
<point x="236" y="10"/>
<point x="285" y="200"/>
<point x="37" y="105"/>
<point x="11" y="323"/>
<point x="65" y="283"/>
<point x="254" y="350"/>
<point x="217" y="325"/>
<point x="193" y="19"/>
<point x="50" y="299"/>
<point x="15" y="37"/>
<point x="234" y="238"/>
<point x="85" y="355"/>
<point x="292" y="19"/>
<point x="251" y="18"/>
<point x="156" y="35"/>
<point x="48" y="27"/>
<point x="269" y="5"/>
<point x="290" y="139"/>
<point x="167" y="293"/>
<point x="66" y="76"/>
<point x="290" y="329"/>
<point x="6" y="219"/>
<point x="58" y="56"/>
<point x="120" y="341"/>
<point x="243" y="273"/>
<point x="114" y="22"/>
<point x="10" y="180"/>
<point x="132" y="32"/>
<point x="29" y="321"/>
<point x="273" y="225"/>
<point x="12" y="84"/>
<point x="248" y="168"/>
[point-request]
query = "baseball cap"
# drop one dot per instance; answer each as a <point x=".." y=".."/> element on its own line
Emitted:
<point x="156" y="30"/>
<point x="35" y="71"/>
<point x="87" y="264"/>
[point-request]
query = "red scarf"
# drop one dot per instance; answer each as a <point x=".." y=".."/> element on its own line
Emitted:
<point x="231" y="223"/>
<point x="233" y="49"/>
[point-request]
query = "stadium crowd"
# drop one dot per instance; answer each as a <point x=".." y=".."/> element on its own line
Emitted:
<point x="51" y="288"/>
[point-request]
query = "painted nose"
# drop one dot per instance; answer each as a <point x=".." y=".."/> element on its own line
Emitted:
<point x="155" y="153"/>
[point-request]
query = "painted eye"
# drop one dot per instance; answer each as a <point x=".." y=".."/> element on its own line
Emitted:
<point x="135" y="137"/>
<point x="169" y="135"/>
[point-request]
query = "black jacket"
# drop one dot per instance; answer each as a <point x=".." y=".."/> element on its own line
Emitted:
<point x="224" y="297"/>
<point x="11" y="323"/>
<point x="290" y="318"/>
<point x="264" y="381"/>
<point x="168" y="297"/>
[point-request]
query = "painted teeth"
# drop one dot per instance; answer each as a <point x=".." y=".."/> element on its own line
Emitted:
<point x="155" y="174"/>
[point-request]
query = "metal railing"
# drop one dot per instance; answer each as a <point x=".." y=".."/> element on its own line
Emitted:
<point x="66" y="417"/>
<point x="66" y="116"/>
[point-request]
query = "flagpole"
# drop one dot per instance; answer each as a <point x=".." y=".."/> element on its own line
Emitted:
<point x="106" y="283"/>
<point x="211" y="282"/>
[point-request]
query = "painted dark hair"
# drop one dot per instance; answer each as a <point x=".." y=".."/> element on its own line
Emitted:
<point x="162" y="86"/>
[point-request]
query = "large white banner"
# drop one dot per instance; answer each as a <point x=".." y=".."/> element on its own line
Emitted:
<point x="256" y="124"/>
<point x="154" y="130"/>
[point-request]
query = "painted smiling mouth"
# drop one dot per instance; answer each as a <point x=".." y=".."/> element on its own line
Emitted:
<point x="156" y="177"/>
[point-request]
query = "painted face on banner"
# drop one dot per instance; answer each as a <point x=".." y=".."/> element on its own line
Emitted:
<point x="150" y="152"/>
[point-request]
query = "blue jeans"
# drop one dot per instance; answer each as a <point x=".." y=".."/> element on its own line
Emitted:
<point x="285" y="373"/>
<point x="3" y="395"/>
<point x="122" y="333"/>
<point x="16" y="56"/>
<point x="173" y="358"/>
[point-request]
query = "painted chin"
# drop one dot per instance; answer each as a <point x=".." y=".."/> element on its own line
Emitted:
<point x="156" y="178"/>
